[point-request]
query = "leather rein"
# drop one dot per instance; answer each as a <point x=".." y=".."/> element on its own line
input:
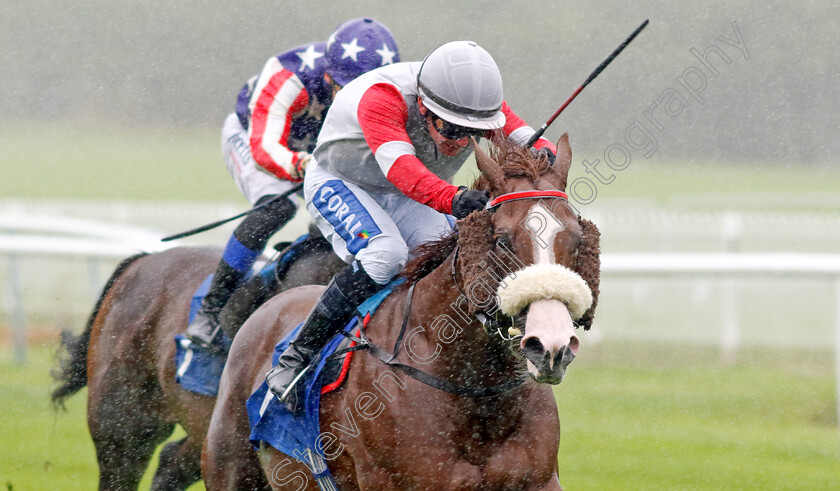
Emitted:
<point x="390" y="358"/>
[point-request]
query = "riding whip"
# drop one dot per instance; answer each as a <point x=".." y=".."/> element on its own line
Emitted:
<point x="209" y="226"/>
<point x="591" y="77"/>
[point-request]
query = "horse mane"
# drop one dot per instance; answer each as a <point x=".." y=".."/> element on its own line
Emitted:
<point x="475" y="238"/>
<point x="477" y="242"/>
<point x="428" y="257"/>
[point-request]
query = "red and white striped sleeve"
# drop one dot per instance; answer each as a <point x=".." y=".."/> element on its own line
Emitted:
<point x="278" y="96"/>
<point x="518" y="132"/>
<point x="382" y="115"/>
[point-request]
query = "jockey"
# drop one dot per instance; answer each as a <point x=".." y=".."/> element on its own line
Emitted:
<point x="379" y="185"/>
<point x="267" y="142"/>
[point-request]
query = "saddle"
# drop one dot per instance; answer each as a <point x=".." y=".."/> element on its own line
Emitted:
<point x="269" y="419"/>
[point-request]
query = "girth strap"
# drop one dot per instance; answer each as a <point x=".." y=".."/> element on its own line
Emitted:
<point x="424" y="377"/>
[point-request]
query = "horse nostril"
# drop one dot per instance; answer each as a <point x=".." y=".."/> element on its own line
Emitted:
<point x="534" y="344"/>
<point x="534" y="351"/>
<point x="574" y="345"/>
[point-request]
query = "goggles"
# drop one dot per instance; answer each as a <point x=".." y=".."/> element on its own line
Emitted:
<point x="452" y="131"/>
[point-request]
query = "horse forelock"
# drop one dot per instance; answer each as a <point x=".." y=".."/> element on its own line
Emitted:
<point x="516" y="162"/>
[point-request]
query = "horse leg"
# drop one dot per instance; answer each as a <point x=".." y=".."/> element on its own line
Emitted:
<point x="125" y="435"/>
<point x="284" y="472"/>
<point x="180" y="465"/>
<point x="229" y="460"/>
<point x="126" y="410"/>
<point x="553" y="485"/>
<point x="180" y="462"/>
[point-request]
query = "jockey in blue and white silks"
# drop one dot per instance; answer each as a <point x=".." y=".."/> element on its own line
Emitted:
<point x="267" y="143"/>
<point x="379" y="183"/>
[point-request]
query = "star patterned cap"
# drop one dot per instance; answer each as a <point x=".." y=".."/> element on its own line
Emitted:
<point x="358" y="46"/>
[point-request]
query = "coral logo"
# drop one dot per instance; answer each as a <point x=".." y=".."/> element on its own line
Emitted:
<point x="346" y="214"/>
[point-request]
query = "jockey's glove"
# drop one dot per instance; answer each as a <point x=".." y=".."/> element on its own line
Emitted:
<point x="547" y="152"/>
<point x="298" y="170"/>
<point x="468" y="200"/>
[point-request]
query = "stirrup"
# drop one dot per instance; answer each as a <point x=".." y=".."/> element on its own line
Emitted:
<point x="292" y="395"/>
<point x="285" y="395"/>
<point x="197" y="331"/>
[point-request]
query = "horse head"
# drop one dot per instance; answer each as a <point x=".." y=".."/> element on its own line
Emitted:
<point x="541" y="257"/>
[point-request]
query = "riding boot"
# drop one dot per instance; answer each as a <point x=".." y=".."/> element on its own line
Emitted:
<point x="204" y="327"/>
<point x="242" y="250"/>
<point x="337" y="305"/>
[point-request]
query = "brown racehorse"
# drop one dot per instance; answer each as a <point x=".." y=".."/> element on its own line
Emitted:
<point x="385" y="429"/>
<point x="126" y="358"/>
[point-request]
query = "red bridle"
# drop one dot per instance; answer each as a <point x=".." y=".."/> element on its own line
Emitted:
<point x="534" y="194"/>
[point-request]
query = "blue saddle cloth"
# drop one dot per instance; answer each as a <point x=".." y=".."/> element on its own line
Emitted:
<point x="199" y="369"/>
<point x="272" y="423"/>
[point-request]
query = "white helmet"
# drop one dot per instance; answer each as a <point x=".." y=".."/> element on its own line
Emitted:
<point x="461" y="84"/>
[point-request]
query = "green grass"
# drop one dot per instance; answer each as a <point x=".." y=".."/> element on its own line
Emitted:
<point x="669" y="419"/>
<point x="692" y="425"/>
<point x="62" y="162"/>
<point x="41" y="448"/>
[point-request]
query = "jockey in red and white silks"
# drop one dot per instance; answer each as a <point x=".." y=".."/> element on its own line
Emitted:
<point x="267" y="141"/>
<point x="377" y="144"/>
<point x="379" y="183"/>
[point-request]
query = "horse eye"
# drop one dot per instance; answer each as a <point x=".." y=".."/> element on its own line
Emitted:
<point x="504" y="241"/>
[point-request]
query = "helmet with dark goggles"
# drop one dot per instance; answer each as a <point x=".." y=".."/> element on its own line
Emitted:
<point x="452" y="131"/>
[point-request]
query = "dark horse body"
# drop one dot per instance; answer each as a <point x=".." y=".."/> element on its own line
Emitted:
<point x="126" y="358"/>
<point x="386" y="430"/>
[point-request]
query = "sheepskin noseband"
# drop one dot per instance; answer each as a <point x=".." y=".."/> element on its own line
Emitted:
<point x="544" y="282"/>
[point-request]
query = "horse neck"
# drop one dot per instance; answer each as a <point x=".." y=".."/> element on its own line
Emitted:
<point x="471" y="357"/>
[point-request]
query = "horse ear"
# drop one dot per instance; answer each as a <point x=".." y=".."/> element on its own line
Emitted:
<point x="488" y="167"/>
<point x="564" y="159"/>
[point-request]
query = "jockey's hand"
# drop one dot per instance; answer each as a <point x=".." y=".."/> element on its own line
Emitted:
<point x="299" y="168"/>
<point x="547" y="152"/>
<point x="468" y="200"/>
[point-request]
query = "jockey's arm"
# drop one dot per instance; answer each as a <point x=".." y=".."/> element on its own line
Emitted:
<point x="278" y="96"/>
<point x="382" y="115"/>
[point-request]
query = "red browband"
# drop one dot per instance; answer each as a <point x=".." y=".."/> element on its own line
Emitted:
<point x="525" y="195"/>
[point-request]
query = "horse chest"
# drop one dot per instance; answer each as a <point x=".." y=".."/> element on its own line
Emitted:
<point x="417" y="425"/>
<point x="482" y="432"/>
